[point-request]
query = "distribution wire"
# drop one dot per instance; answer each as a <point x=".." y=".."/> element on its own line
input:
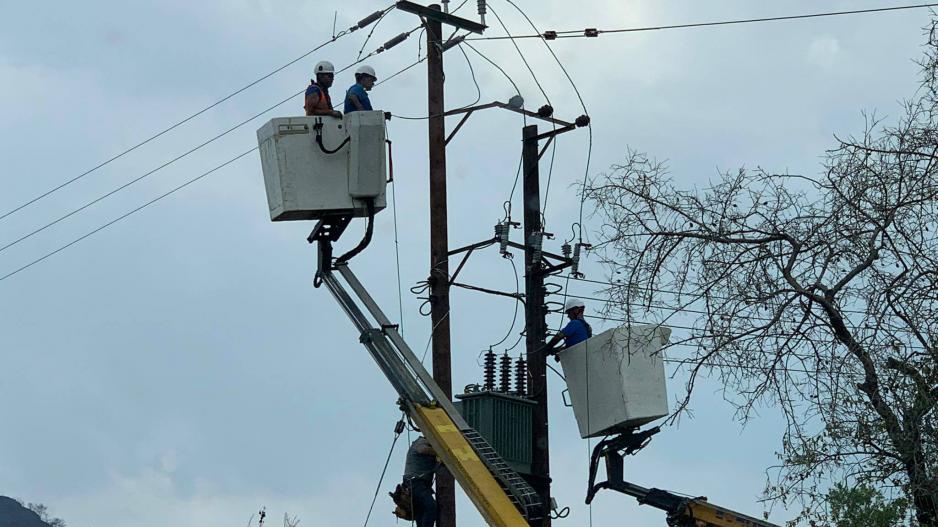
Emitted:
<point x="520" y="54"/>
<point x="397" y="245"/>
<point x="475" y="82"/>
<point x="119" y="218"/>
<point x="524" y="120"/>
<point x="543" y="92"/>
<point x="182" y="122"/>
<point x="576" y="90"/>
<point x="514" y="317"/>
<point x="592" y="33"/>
<point x="126" y="214"/>
<point x="181" y="156"/>
<point x="397" y="434"/>
<point x="671" y="292"/>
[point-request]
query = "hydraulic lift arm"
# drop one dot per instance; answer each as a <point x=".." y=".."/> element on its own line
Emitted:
<point x="682" y="511"/>
<point x="502" y="497"/>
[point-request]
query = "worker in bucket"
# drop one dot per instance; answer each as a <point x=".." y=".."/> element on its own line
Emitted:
<point x="356" y="98"/>
<point x="414" y="497"/>
<point x="576" y="331"/>
<point x="317" y="100"/>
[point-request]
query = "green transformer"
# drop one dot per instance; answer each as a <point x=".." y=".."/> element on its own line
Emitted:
<point x="504" y="420"/>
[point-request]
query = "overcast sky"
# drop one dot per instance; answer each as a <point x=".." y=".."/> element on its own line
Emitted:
<point x="178" y="368"/>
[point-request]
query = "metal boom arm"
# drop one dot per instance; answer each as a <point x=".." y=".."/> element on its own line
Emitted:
<point x="502" y="497"/>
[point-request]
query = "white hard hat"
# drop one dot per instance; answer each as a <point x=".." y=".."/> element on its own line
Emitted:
<point x="366" y="70"/>
<point x="325" y="67"/>
<point x="572" y="303"/>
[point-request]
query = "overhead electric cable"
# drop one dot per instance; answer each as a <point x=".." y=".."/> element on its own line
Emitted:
<point x="194" y="149"/>
<point x="520" y="54"/>
<point x="593" y="33"/>
<point x="126" y="214"/>
<point x="397" y="434"/>
<point x="589" y="151"/>
<point x="671" y="292"/>
<point x="514" y="317"/>
<point x="368" y="20"/>
<point x="180" y="187"/>
<point x="144" y="175"/>
<point x="475" y="82"/>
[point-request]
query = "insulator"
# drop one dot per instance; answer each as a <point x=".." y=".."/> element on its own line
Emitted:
<point x="536" y="243"/>
<point x="502" y="234"/>
<point x="453" y="42"/>
<point x="489" y="371"/>
<point x="369" y="19"/>
<point x="566" y="249"/>
<point x="504" y="378"/>
<point x="393" y="42"/>
<point x="481" y="4"/>
<point x="521" y="377"/>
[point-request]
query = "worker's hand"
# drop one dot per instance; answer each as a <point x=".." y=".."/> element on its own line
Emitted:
<point x="337" y="114"/>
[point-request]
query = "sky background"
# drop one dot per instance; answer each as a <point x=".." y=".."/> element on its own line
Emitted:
<point x="179" y="368"/>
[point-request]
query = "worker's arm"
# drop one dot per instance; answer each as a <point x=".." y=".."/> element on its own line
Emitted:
<point x="355" y="102"/>
<point x="312" y="106"/>
<point x="331" y="113"/>
<point x="552" y="343"/>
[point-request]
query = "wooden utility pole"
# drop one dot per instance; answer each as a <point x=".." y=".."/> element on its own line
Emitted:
<point x="535" y="313"/>
<point x="439" y="247"/>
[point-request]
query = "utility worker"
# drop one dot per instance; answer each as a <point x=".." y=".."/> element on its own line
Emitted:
<point x="419" y="468"/>
<point x="356" y="98"/>
<point x="317" y="100"/>
<point x="576" y="331"/>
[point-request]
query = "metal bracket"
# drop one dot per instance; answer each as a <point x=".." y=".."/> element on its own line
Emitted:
<point x="614" y="450"/>
<point x="564" y="125"/>
<point x="441" y="16"/>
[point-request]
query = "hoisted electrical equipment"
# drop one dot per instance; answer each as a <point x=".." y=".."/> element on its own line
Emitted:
<point x="322" y="166"/>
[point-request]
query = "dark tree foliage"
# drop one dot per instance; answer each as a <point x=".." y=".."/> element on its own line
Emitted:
<point x="817" y="295"/>
<point x="863" y="506"/>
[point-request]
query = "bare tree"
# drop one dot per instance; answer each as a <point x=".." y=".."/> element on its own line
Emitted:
<point x="817" y="295"/>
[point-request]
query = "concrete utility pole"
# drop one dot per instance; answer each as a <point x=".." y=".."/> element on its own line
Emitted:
<point x="439" y="247"/>
<point x="535" y="313"/>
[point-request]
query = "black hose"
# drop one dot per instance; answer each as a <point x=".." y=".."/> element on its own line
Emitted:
<point x="370" y="203"/>
<point x="326" y="150"/>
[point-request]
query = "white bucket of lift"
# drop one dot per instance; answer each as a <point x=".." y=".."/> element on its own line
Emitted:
<point x="616" y="379"/>
<point x="306" y="181"/>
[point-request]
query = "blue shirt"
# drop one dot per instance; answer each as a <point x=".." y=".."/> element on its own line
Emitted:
<point x="575" y="332"/>
<point x="358" y="91"/>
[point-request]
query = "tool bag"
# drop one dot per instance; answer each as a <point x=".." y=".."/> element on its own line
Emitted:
<point x="404" y="502"/>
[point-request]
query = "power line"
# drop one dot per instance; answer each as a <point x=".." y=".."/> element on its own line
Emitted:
<point x="593" y="33"/>
<point x="475" y="82"/>
<point x="520" y="54"/>
<point x="119" y="218"/>
<point x="194" y="115"/>
<point x="672" y="292"/>
<point x="177" y="158"/>
<point x="589" y="150"/>
<point x="145" y="175"/>
<point x="397" y="434"/>
<point x="126" y="214"/>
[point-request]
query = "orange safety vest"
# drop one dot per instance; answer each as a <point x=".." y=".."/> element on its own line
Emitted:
<point x="317" y="99"/>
